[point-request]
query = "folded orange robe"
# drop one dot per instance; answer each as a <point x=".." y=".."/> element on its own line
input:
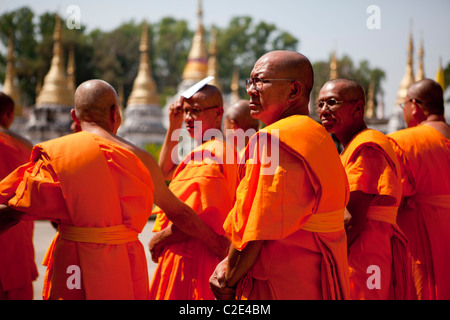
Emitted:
<point x="17" y="266"/>
<point x="424" y="215"/>
<point x="297" y="209"/>
<point x="379" y="258"/>
<point x="101" y="196"/>
<point x="206" y="182"/>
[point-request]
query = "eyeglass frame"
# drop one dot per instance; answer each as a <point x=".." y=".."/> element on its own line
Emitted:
<point x="330" y="108"/>
<point x="195" y="111"/>
<point x="251" y="81"/>
<point x="402" y="105"/>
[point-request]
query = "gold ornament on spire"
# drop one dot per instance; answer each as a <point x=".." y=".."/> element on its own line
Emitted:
<point x="370" y="105"/>
<point x="420" y="72"/>
<point x="197" y="65"/>
<point x="10" y="87"/>
<point x="71" y="71"/>
<point x="408" y="78"/>
<point x="213" y="64"/>
<point x="144" y="90"/>
<point x="333" y="66"/>
<point x="235" y="86"/>
<point x="55" y="90"/>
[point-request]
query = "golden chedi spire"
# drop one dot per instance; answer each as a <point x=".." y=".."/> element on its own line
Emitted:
<point x="144" y="90"/>
<point x="71" y="71"/>
<point x="197" y="65"/>
<point x="55" y="90"/>
<point x="408" y="78"/>
<point x="9" y="86"/>
<point x="370" y="105"/>
<point x="440" y="75"/>
<point x="333" y="66"/>
<point x="235" y="86"/>
<point x="420" y="72"/>
<point x="213" y="64"/>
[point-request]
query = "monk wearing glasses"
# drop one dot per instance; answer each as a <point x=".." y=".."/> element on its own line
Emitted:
<point x="287" y="225"/>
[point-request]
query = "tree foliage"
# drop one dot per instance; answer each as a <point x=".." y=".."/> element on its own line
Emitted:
<point x="114" y="55"/>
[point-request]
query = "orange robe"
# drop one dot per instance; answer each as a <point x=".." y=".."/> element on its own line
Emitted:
<point x="206" y="182"/>
<point x="17" y="267"/>
<point x="424" y="215"/>
<point x="297" y="209"/>
<point x="100" y="195"/>
<point x="379" y="257"/>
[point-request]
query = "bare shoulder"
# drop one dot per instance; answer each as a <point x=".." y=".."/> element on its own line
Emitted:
<point x="440" y="126"/>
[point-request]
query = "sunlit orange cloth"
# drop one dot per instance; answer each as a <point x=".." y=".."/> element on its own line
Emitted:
<point x="207" y="184"/>
<point x="424" y="215"/>
<point x="62" y="184"/>
<point x="372" y="167"/>
<point x="17" y="266"/>
<point x="298" y="210"/>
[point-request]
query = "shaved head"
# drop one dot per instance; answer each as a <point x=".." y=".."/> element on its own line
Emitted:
<point x="210" y="95"/>
<point x="430" y="95"/>
<point x="348" y="89"/>
<point x="94" y="99"/>
<point x="239" y="113"/>
<point x="291" y="65"/>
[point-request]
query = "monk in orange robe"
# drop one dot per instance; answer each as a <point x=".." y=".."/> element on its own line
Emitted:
<point x="206" y="181"/>
<point x="239" y="126"/>
<point x="99" y="189"/>
<point x="287" y="225"/>
<point x="423" y="150"/>
<point x="377" y="249"/>
<point x="17" y="267"/>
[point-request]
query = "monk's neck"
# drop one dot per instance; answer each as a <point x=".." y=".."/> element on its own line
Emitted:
<point x="346" y="136"/>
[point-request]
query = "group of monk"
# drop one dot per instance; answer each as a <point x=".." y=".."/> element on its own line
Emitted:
<point x="369" y="223"/>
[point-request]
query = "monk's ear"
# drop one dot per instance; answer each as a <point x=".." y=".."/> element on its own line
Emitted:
<point x="359" y="109"/>
<point x="417" y="112"/>
<point x="74" y="117"/>
<point x="296" y="90"/>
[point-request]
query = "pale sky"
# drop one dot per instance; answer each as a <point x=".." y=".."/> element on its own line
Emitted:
<point x="321" y="26"/>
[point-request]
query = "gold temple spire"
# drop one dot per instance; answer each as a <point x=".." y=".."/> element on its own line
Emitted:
<point x="144" y="90"/>
<point x="408" y="78"/>
<point x="55" y="90"/>
<point x="197" y="65"/>
<point x="71" y="71"/>
<point x="235" y="86"/>
<point x="10" y="87"/>
<point x="333" y="66"/>
<point x="370" y="105"/>
<point x="420" y="72"/>
<point x="213" y="64"/>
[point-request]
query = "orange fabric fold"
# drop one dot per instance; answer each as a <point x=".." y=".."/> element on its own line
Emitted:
<point x="424" y="156"/>
<point x="206" y="183"/>
<point x="57" y="185"/>
<point x="284" y="190"/>
<point x="17" y="266"/>
<point x="375" y="271"/>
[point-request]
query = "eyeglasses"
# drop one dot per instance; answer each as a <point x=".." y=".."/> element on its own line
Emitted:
<point x="402" y="105"/>
<point x="258" y="82"/>
<point x="194" y="112"/>
<point x="332" y="104"/>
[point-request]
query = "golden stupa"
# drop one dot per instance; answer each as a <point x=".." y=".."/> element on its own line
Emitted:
<point x="333" y="66"/>
<point x="144" y="90"/>
<point x="197" y="64"/>
<point x="420" y="72"/>
<point x="408" y="78"/>
<point x="71" y="83"/>
<point x="370" y="105"/>
<point x="235" y="96"/>
<point x="9" y="86"/>
<point x="213" y="64"/>
<point x="55" y="90"/>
